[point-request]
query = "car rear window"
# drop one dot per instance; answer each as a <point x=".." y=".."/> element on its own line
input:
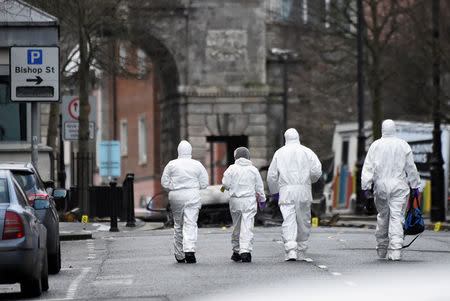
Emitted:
<point x="26" y="180"/>
<point x="4" y="195"/>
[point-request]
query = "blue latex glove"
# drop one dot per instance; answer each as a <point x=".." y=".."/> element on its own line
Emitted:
<point x="366" y="192"/>
<point x="261" y="205"/>
<point x="415" y="192"/>
<point x="276" y="196"/>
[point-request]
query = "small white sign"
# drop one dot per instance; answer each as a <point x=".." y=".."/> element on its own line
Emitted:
<point x="34" y="73"/>
<point x="70" y="112"/>
<point x="71" y="130"/>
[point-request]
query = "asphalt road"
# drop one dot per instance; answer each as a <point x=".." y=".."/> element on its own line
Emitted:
<point x="139" y="265"/>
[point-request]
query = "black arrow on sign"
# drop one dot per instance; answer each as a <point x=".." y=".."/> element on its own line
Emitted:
<point x="38" y="79"/>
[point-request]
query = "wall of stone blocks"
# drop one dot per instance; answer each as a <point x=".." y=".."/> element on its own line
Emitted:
<point x="228" y="116"/>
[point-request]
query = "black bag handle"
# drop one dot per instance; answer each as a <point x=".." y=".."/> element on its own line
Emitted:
<point x="404" y="247"/>
<point x="411" y="202"/>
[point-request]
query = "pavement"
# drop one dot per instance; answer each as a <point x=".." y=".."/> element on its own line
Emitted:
<point x="361" y="221"/>
<point x="80" y="231"/>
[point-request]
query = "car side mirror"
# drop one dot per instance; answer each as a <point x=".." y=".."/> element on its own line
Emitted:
<point x="59" y="193"/>
<point x="49" y="184"/>
<point x="41" y="204"/>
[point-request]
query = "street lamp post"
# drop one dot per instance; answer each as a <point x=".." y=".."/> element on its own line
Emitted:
<point x="437" y="173"/>
<point x="361" y="135"/>
<point x="61" y="166"/>
<point x="286" y="57"/>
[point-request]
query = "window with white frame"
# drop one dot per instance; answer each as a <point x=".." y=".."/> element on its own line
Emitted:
<point x="142" y="62"/>
<point x="142" y="139"/>
<point x="122" y="55"/>
<point x="123" y="137"/>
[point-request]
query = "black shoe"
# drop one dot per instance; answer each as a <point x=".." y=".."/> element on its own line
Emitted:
<point x="246" y="257"/>
<point x="180" y="260"/>
<point x="190" y="257"/>
<point x="236" y="257"/>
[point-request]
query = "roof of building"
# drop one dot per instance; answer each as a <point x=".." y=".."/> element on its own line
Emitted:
<point x="19" y="13"/>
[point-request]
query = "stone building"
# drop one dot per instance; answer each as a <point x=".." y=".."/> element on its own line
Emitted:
<point x="209" y="79"/>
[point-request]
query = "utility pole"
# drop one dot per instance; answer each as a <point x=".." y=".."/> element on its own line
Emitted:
<point x="361" y="135"/>
<point x="437" y="173"/>
<point x="61" y="165"/>
<point x="284" y="57"/>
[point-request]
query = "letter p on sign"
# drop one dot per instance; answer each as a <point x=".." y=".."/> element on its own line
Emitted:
<point x="34" y="56"/>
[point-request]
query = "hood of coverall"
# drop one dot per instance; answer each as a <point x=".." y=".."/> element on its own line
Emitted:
<point x="241" y="152"/>
<point x="388" y="128"/>
<point x="291" y="136"/>
<point x="184" y="149"/>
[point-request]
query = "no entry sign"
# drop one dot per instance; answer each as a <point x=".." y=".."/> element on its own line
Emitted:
<point x="71" y="113"/>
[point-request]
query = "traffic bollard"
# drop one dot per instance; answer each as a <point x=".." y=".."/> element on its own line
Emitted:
<point x="131" y="219"/>
<point x="113" y="213"/>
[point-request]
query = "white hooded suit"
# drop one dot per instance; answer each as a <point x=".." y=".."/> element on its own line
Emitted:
<point x="243" y="180"/>
<point x="183" y="178"/>
<point x="293" y="169"/>
<point x="390" y="167"/>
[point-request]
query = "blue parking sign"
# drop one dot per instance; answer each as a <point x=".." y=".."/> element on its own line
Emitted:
<point x="34" y="56"/>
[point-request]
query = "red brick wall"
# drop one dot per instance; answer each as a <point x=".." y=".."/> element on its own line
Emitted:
<point x="139" y="97"/>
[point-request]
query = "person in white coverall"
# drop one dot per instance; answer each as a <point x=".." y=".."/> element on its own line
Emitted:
<point x="183" y="178"/>
<point x="293" y="169"/>
<point x="390" y="167"/>
<point x="243" y="181"/>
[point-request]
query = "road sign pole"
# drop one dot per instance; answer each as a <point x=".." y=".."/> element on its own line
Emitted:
<point x="34" y="134"/>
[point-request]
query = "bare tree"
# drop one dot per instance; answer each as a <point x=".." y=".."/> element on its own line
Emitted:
<point x="87" y="30"/>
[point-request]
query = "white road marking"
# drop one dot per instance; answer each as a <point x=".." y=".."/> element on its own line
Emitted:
<point x="74" y="285"/>
<point x="9" y="288"/>
<point x="350" y="283"/>
<point x="336" y="274"/>
<point x="114" y="280"/>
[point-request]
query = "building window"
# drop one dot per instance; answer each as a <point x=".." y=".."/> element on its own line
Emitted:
<point x="123" y="137"/>
<point x="305" y="11"/>
<point x="142" y="140"/>
<point x="122" y="55"/>
<point x="13" y="116"/>
<point x="142" y="62"/>
<point x="286" y="6"/>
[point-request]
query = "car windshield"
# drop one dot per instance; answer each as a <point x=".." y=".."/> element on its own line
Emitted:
<point x="4" y="195"/>
<point x="26" y="181"/>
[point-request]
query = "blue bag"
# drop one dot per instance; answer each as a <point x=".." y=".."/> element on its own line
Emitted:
<point x="413" y="222"/>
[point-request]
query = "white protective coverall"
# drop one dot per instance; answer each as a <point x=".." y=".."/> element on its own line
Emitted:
<point x="243" y="181"/>
<point x="293" y="169"/>
<point x="389" y="165"/>
<point x="183" y="178"/>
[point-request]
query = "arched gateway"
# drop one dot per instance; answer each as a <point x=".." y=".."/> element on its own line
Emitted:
<point x="209" y="63"/>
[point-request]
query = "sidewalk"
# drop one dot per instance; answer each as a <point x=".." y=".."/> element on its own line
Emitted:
<point x="349" y="220"/>
<point x="79" y="231"/>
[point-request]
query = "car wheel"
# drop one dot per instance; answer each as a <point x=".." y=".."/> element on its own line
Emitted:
<point x="44" y="275"/>
<point x="31" y="287"/>
<point x="55" y="261"/>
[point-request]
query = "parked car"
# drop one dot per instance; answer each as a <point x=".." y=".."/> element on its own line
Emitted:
<point x="23" y="251"/>
<point x="35" y="189"/>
